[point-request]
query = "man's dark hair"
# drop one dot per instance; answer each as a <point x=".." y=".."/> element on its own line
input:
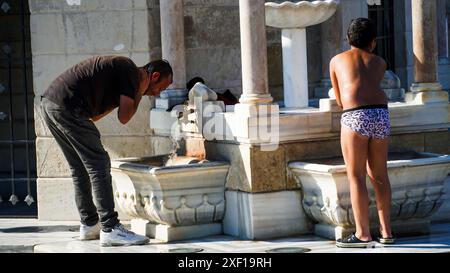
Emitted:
<point x="161" y="66"/>
<point x="361" y="32"/>
<point x="193" y="81"/>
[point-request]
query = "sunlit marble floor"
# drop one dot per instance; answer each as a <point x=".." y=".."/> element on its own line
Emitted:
<point x="18" y="235"/>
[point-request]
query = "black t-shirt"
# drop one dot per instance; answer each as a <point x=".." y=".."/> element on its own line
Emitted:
<point x="95" y="85"/>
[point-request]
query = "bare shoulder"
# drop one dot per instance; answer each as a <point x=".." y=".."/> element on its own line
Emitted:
<point x="378" y="61"/>
<point x="338" y="59"/>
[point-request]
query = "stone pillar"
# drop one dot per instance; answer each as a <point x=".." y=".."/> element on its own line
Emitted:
<point x="255" y="87"/>
<point x="172" y="40"/>
<point x="425" y="53"/>
<point x="442" y="26"/>
<point x="424" y="41"/>
<point x="295" y="67"/>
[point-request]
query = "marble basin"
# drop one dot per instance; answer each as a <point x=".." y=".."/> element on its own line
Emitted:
<point x="299" y="15"/>
<point x="179" y="193"/>
<point x="417" y="182"/>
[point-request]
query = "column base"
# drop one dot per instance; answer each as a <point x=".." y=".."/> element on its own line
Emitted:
<point x="257" y="124"/>
<point x="423" y="93"/>
<point x="167" y="233"/>
<point x="421" y="87"/>
<point x="426" y="97"/>
<point x="255" y="98"/>
<point x="254" y="110"/>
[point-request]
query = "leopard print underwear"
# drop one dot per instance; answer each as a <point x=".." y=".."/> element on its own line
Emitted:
<point x="371" y="122"/>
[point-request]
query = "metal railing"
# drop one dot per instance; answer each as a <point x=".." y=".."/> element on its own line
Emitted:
<point x="6" y="91"/>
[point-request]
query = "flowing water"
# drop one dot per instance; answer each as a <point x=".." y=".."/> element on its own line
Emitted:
<point x="173" y="153"/>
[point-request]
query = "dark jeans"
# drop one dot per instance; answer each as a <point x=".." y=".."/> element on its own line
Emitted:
<point x="89" y="163"/>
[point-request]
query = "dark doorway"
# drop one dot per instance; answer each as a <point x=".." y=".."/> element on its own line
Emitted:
<point x="383" y="16"/>
<point x="17" y="134"/>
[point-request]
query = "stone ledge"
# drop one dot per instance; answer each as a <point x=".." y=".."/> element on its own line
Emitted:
<point x="253" y="170"/>
<point x="166" y="233"/>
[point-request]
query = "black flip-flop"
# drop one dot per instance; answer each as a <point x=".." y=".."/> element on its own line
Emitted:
<point x="352" y="242"/>
<point x="387" y="241"/>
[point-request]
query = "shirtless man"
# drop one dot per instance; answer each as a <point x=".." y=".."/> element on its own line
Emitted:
<point x="356" y="76"/>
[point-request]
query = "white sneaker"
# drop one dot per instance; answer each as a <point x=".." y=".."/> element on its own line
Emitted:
<point x="120" y="236"/>
<point x="90" y="232"/>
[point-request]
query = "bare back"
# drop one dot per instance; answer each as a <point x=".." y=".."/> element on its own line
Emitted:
<point x="356" y="76"/>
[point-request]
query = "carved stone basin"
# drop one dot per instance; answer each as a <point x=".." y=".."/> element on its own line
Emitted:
<point x="417" y="182"/>
<point x="299" y="15"/>
<point x="166" y="195"/>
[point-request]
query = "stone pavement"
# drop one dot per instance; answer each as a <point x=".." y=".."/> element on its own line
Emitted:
<point x="31" y="235"/>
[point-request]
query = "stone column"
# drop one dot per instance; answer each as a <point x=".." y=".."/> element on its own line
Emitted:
<point x="425" y="46"/>
<point x="172" y="40"/>
<point x="426" y="88"/>
<point x="255" y="87"/>
<point x="295" y="67"/>
<point x="442" y="26"/>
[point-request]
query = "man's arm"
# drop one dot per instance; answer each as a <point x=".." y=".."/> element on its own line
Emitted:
<point x="335" y="83"/>
<point x="96" y="118"/>
<point x="128" y="107"/>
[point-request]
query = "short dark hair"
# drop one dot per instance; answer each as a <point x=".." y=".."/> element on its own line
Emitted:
<point x="361" y="32"/>
<point x="193" y="81"/>
<point x="162" y="66"/>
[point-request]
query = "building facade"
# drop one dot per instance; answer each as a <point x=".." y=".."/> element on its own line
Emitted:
<point x="60" y="33"/>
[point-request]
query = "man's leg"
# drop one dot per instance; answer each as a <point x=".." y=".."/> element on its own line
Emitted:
<point x="82" y="185"/>
<point x="85" y="138"/>
<point x="377" y="171"/>
<point x="354" y="149"/>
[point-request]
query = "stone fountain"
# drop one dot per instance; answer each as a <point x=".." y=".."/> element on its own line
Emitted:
<point x="172" y="197"/>
<point x="293" y="18"/>
<point x="262" y="193"/>
<point x="417" y="182"/>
